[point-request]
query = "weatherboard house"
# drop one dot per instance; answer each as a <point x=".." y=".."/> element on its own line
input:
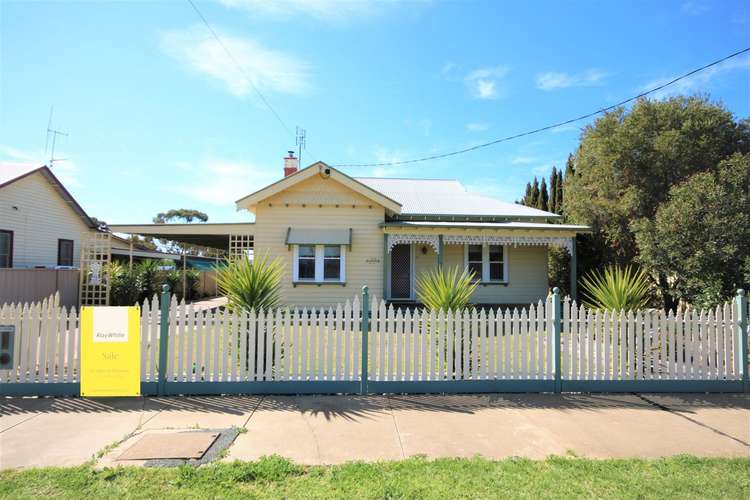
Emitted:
<point x="336" y="233"/>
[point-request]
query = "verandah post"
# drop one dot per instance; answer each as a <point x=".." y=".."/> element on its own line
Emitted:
<point x="740" y="302"/>
<point x="163" y="339"/>
<point x="556" y="323"/>
<point x="365" y="330"/>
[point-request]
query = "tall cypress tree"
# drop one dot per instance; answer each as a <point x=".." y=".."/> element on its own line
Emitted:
<point x="543" y="196"/>
<point x="534" y="194"/>
<point x="559" y="192"/>
<point x="553" y="191"/>
<point x="526" y="200"/>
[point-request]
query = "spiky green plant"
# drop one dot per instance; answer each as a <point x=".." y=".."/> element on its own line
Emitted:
<point x="123" y="285"/>
<point x="251" y="284"/>
<point x="147" y="272"/>
<point x="616" y="289"/>
<point x="446" y="289"/>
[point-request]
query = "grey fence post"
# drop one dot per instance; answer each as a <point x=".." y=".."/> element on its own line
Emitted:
<point x="163" y="339"/>
<point x="740" y="302"/>
<point x="556" y="343"/>
<point x="365" y="343"/>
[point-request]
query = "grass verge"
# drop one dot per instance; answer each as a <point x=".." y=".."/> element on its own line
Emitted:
<point x="274" y="477"/>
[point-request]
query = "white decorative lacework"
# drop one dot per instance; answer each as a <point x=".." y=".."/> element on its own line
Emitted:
<point x="407" y="239"/>
<point x="566" y="243"/>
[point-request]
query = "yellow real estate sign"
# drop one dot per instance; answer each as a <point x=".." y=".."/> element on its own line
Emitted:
<point x="110" y="351"/>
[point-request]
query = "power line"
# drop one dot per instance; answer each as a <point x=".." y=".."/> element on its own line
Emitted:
<point x="240" y="68"/>
<point x="548" y="127"/>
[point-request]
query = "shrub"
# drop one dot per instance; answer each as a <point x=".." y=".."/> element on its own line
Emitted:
<point x="123" y="285"/>
<point x="446" y="289"/>
<point x="616" y="289"/>
<point x="147" y="272"/>
<point x="251" y="284"/>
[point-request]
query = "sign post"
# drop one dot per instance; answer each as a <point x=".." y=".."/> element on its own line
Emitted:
<point x="110" y="351"/>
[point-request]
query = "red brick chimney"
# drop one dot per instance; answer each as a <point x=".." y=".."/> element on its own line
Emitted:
<point x="291" y="164"/>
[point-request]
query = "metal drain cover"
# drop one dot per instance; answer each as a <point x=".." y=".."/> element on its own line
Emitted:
<point x="186" y="445"/>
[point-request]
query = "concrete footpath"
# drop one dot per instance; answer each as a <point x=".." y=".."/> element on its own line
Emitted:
<point x="334" y="429"/>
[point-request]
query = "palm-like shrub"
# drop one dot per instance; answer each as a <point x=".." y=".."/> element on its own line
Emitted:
<point x="251" y="284"/>
<point x="123" y="285"/>
<point x="147" y="272"/>
<point x="446" y="289"/>
<point x="616" y="289"/>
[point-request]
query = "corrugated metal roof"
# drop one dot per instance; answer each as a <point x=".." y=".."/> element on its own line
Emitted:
<point x="490" y="225"/>
<point x="445" y="197"/>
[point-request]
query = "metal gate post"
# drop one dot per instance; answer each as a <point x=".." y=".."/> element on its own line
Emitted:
<point x="163" y="339"/>
<point x="740" y="302"/>
<point x="365" y="344"/>
<point x="556" y="314"/>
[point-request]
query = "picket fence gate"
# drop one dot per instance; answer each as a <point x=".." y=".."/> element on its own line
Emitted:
<point x="366" y="346"/>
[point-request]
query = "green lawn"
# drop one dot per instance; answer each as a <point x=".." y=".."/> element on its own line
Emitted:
<point x="679" y="477"/>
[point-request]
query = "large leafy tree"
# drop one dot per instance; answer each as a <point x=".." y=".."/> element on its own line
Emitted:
<point x="700" y="238"/>
<point x="187" y="215"/>
<point x="628" y="161"/>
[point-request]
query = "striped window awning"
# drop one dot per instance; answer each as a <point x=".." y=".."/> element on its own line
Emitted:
<point x="311" y="236"/>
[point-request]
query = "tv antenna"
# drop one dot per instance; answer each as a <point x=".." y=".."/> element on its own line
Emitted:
<point x="54" y="133"/>
<point x="301" y="142"/>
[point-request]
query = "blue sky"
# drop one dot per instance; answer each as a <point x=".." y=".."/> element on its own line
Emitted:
<point x="160" y="118"/>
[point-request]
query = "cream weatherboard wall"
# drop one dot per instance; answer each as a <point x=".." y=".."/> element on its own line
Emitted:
<point x="527" y="273"/>
<point x="38" y="217"/>
<point x="326" y="204"/>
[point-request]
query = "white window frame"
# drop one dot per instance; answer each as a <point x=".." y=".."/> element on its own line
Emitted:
<point x="485" y="278"/>
<point x="319" y="265"/>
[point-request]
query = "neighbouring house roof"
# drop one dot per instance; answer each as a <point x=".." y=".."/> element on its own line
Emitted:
<point x="319" y="168"/>
<point x="9" y="177"/>
<point x="447" y="197"/>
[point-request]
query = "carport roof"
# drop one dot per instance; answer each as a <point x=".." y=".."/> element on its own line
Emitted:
<point x="212" y="235"/>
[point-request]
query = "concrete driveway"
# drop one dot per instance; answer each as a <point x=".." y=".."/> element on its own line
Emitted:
<point x="335" y="429"/>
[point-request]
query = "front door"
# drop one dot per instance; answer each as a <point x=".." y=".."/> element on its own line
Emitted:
<point x="401" y="272"/>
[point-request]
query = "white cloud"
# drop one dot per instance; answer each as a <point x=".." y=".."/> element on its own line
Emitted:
<point x="267" y="69"/>
<point x="523" y="160"/>
<point x="15" y="162"/>
<point x="477" y="127"/>
<point x="486" y="83"/>
<point x="556" y="80"/>
<point x="695" y="7"/>
<point x="219" y="181"/>
<point x="697" y="81"/>
<point x="325" y="10"/>
<point x="424" y="125"/>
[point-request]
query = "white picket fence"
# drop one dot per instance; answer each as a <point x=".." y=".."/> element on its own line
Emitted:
<point x="320" y="344"/>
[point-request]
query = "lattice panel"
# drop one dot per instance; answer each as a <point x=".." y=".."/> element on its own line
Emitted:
<point x="239" y="245"/>
<point x="96" y="254"/>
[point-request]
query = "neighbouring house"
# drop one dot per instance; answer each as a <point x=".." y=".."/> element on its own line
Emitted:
<point x="42" y="232"/>
<point x="336" y="233"/>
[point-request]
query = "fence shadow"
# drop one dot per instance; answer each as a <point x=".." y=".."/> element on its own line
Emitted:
<point x="367" y="407"/>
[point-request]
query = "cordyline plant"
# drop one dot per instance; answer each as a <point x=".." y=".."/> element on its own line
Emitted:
<point x="446" y="289"/>
<point x="616" y="289"/>
<point x="251" y="284"/>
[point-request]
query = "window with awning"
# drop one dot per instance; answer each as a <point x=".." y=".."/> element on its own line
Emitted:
<point x="319" y="254"/>
<point x="309" y="236"/>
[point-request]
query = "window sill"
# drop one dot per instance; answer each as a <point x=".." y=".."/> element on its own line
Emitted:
<point x="493" y="283"/>
<point x="318" y="283"/>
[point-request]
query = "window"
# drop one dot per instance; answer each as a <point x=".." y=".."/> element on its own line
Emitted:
<point x="319" y="263"/>
<point x="488" y="262"/>
<point x="64" y="252"/>
<point x="332" y="263"/>
<point x="6" y="248"/>
<point x="306" y="262"/>
<point x="496" y="271"/>
<point x="474" y="261"/>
